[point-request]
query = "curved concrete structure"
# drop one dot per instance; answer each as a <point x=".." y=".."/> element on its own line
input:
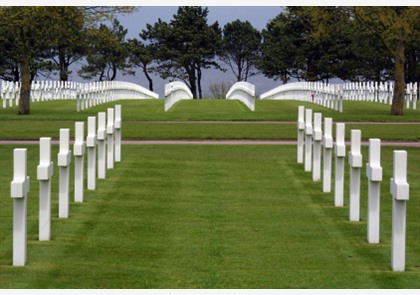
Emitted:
<point x="244" y="92"/>
<point x="174" y="92"/>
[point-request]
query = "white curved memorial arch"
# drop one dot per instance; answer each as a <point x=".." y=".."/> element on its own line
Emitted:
<point x="174" y="92"/>
<point x="243" y="91"/>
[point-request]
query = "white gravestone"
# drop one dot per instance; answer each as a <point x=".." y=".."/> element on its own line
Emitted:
<point x="44" y="173"/>
<point x="317" y="138"/>
<point x="91" y="153"/>
<point x="110" y="136"/>
<point x="79" y="152"/>
<point x="101" y="145"/>
<point x="400" y="191"/>
<point x="340" y="153"/>
<point x="374" y="175"/>
<point x="19" y="189"/>
<point x="355" y="162"/>
<point x="117" y="132"/>
<point x="328" y="146"/>
<point x="308" y="140"/>
<point x="300" y="133"/>
<point x="63" y="161"/>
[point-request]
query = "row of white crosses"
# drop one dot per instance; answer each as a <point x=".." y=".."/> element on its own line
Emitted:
<point x="20" y="183"/>
<point x="309" y="141"/>
<point x="10" y="92"/>
<point x="48" y="90"/>
<point x="332" y="95"/>
<point x="85" y="94"/>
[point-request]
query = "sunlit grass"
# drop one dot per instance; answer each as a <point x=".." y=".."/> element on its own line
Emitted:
<point x="209" y="217"/>
<point x="145" y="119"/>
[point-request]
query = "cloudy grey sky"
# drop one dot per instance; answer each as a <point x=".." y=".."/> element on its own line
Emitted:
<point x="258" y="16"/>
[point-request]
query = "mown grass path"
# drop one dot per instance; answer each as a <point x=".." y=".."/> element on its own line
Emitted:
<point x="196" y="216"/>
<point x="207" y="205"/>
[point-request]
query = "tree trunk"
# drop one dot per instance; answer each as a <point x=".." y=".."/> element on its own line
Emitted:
<point x="192" y="79"/>
<point x="25" y="88"/>
<point x="399" y="90"/>
<point x="64" y="69"/>
<point x="200" y="94"/>
<point x="148" y="78"/>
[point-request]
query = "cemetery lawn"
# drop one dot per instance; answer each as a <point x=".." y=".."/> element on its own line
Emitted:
<point x="180" y="216"/>
<point x="207" y="119"/>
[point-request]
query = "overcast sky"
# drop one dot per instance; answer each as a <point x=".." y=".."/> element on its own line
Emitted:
<point x="258" y="16"/>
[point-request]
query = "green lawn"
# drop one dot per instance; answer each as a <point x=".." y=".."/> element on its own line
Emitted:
<point x="208" y="217"/>
<point x="145" y="119"/>
<point x="197" y="216"/>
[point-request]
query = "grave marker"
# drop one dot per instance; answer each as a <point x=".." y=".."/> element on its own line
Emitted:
<point x="328" y="145"/>
<point x="300" y="133"/>
<point x="117" y="126"/>
<point x="91" y="153"/>
<point x="101" y="145"/>
<point x="44" y="173"/>
<point x="110" y="136"/>
<point x="308" y="140"/>
<point x="340" y="153"/>
<point x="79" y="152"/>
<point x="19" y="189"/>
<point x="317" y="136"/>
<point x="63" y="161"/>
<point x="400" y="191"/>
<point x="355" y="161"/>
<point x="374" y="174"/>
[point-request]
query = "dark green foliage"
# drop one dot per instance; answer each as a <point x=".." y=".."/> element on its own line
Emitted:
<point x="106" y="53"/>
<point x="141" y="55"/>
<point x="241" y="48"/>
<point x="185" y="46"/>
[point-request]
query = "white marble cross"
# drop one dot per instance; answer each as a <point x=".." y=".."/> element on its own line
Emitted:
<point x="91" y="153"/>
<point x="308" y="140"/>
<point x="101" y="136"/>
<point x="340" y="153"/>
<point x="79" y="152"/>
<point x="110" y="135"/>
<point x="374" y="175"/>
<point x="19" y="189"/>
<point x="355" y="161"/>
<point x="317" y="140"/>
<point x="328" y="146"/>
<point x="44" y="173"/>
<point x="300" y="133"/>
<point x="117" y="131"/>
<point x="400" y="191"/>
<point x="63" y="161"/>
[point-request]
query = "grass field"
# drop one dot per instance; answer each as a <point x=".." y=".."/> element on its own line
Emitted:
<point x="145" y="119"/>
<point x="183" y="216"/>
<point x="209" y="217"/>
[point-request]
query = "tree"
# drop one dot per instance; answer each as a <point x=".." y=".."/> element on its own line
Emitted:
<point x="141" y="55"/>
<point x="31" y="37"/>
<point x="69" y="43"/>
<point x="308" y="43"/>
<point x="185" y="46"/>
<point x="395" y="27"/>
<point x="219" y="89"/>
<point x="106" y="53"/>
<point x="241" y="48"/>
<point x="29" y="32"/>
<point x="281" y="40"/>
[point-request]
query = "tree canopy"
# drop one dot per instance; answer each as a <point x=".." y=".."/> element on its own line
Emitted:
<point x="106" y="53"/>
<point x="185" y="46"/>
<point x="241" y="48"/>
<point x="304" y="43"/>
